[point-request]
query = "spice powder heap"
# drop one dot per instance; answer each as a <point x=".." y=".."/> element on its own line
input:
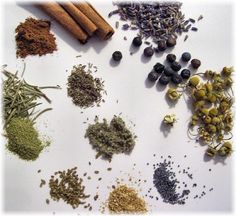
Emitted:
<point x="33" y="37"/>
<point x="67" y="186"/>
<point x="109" y="139"/>
<point x="125" y="200"/>
<point x="23" y="139"/>
<point x="83" y="88"/>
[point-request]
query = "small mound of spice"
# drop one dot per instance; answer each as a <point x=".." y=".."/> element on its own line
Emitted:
<point x="166" y="184"/>
<point x="83" y="88"/>
<point x="33" y="37"/>
<point x="124" y="199"/>
<point x="109" y="139"/>
<point x="23" y="139"/>
<point x="66" y="185"/>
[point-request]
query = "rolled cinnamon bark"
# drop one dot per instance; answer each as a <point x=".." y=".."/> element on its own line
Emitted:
<point x="59" y="14"/>
<point x="104" y="30"/>
<point x="80" y="18"/>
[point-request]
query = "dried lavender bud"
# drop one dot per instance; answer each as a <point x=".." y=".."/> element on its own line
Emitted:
<point x="199" y="18"/>
<point x="125" y="27"/>
<point x="194" y="29"/>
<point x="192" y="20"/>
<point x="158" y="20"/>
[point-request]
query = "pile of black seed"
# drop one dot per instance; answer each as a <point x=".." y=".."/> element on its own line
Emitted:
<point x="171" y="190"/>
<point x="166" y="183"/>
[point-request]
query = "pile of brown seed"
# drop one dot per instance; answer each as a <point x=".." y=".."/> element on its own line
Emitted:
<point x="124" y="199"/>
<point x="66" y="185"/>
<point x="83" y="88"/>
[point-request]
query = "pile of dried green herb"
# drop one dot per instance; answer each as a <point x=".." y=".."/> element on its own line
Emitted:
<point x="66" y="185"/>
<point x="83" y="88"/>
<point x="23" y="139"/>
<point x="212" y="115"/>
<point x="109" y="139"/>
<point x="125" y="200"/>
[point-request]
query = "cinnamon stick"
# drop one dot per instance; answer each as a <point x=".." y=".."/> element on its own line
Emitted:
<point x="80" y="18"/>
<point x="59" y="14"/>
<point x="104" y="30"/>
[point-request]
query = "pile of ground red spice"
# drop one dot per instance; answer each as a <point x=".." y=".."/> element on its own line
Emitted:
<point x="33" y="37"/>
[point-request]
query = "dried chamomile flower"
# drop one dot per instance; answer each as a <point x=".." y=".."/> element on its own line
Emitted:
<point x="170" y="119"/>
<point x="199" y="94"/>
<point x="211" y="152"/>
<point x="194" y="81"/>
<point x="227" y="71"/>
<point x="173" y="94"/>
<point x="225" y="149"/>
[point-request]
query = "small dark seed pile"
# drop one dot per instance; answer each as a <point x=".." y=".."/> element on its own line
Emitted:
<point x="171" y="190"/>
<point x="166" y="183"/>
<point x="66" y="185"/>
<point x="161" y="21"/>
<point x="83" y="88"/>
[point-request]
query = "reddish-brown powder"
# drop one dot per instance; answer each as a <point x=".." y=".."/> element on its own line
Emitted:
<point x="33" y="37"/>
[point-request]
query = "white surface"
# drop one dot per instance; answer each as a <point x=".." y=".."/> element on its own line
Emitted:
<point x="144" y="106"/>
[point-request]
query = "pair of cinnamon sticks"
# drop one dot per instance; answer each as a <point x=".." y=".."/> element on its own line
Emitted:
<point x="80" y="18"/>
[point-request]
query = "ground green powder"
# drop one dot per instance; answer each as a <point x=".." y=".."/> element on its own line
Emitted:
<point x="109" y="139"/>
<point x="23" y="139"/>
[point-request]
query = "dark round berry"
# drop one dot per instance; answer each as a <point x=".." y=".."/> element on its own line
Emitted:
<point x="185" y="73"/>
<point x="168" y="71"/>
<point x="186" y="56"/>
<point x="171" y="42"/>
<point x="137" y="41"/>
<point x="195" y="63"/>
<point x="161" y="46"/>
<point x="176" y="79"/>
<point x="164" y="80"/>
<point x="171" y="58"/>
<point x="175" y="66"/>
<point x="117" y="56"/>
<point x="148" y="52"/>
<point x="158" y="67"/>
<point x="153" y="76"/>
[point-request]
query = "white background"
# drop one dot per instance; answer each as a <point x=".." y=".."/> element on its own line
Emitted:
<point x="139" y="103"/>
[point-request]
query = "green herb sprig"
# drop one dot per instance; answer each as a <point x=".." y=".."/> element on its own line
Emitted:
<point x="20" y="98"/>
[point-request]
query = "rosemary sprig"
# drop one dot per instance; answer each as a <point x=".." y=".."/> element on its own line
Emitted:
<point x="20" y="98"/>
